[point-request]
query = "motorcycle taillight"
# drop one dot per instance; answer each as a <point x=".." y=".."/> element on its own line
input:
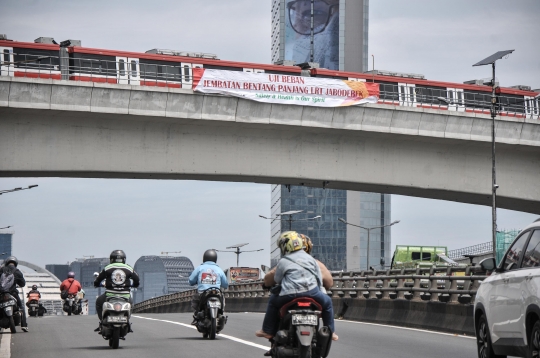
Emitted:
<point x="117" y="306"/>
<point x="7" y="297"/>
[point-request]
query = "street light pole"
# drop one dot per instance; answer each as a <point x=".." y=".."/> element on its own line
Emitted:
<point x="493" y="110"/>
<point x="368" y="232"/>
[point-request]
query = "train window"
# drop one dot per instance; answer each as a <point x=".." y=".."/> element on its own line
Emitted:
<point x="6" y="55"/>
<point x="121" y="67"/>
<point x="133" y="68"/>
<point x="186" y="73"/>
<point x="460" y="97"/>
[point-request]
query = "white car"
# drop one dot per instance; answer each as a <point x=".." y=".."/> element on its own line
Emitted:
<point x="507" y="305"/>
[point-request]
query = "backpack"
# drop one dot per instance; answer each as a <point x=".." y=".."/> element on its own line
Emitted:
<point x="7" y="280"/>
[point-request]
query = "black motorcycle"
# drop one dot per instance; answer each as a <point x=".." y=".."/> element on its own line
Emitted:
<point x="33" y="308"/>
<point x="10" y="316"/>
<point x="71" y="305"/>
<point x="210" y="318"/>
<point x="299" y="334"/>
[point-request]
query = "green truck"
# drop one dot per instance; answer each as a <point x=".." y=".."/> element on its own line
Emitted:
<point x="409" y="256"/>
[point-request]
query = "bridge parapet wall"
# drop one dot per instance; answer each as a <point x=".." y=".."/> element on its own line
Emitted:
<point x="436" y="298"/>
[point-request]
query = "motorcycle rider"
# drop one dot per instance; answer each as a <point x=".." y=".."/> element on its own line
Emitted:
<point x="299" y="275"/>
<point x="206" y="275"/>
<point x="118" y="276"/>
<point x="33" y="294"/>
<point x="10" y="266"/>
<point x="70" y="284"/>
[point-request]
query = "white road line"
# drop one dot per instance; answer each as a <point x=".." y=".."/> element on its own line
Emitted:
<point x="406" y="328"/>
<point x="248" y="343"/>
<point x="5" y="344"/>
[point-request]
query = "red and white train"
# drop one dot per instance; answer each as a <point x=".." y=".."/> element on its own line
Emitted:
<point x="164" y="68"/>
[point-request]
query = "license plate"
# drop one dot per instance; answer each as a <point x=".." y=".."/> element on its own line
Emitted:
<point x="304" y="320"/>
<point x="214" y="304"/>
<point x="34" y="305"/>
<point x="8" y="303"/>
<point x="115" y="319"/>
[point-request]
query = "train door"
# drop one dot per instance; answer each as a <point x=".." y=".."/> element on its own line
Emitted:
<point x="128" y="71"/>
<point x="6" y="61"/>
<point x="407" y="94"/>
<point x="531" y="106"/>
<point x="456" y="99"/>
<point x="187" y="74"/>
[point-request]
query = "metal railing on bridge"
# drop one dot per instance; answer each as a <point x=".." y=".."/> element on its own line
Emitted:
<point x="452" y="285"/>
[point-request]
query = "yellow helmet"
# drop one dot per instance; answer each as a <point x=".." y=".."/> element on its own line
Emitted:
<point x="289" y="242"/>
<point x="307" y="245"/>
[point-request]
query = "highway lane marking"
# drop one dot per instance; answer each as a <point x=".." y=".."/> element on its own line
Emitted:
<point x="5" y="344"/>
<point x="407" y="328"/>
<point x="248" y="343"/>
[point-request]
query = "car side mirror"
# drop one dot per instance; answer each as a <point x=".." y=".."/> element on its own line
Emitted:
<point x="488" y="264"/>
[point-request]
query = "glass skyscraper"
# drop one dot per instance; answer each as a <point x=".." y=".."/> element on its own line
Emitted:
<point x="337" y="245"/>
<point x="340" y="33"/>
<point x="5" y="245"/>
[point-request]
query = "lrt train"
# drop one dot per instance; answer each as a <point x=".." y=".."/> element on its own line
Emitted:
<point x="44" y="58"/>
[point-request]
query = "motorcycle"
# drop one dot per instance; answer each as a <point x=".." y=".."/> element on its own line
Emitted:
<point x="115" y="324"/>
<point x="71" y="305"/>
<point x="33" y="307"/>
<point x="10" y="316"/>
<point x="210" y="318"/>
<point x="300" y="334"/>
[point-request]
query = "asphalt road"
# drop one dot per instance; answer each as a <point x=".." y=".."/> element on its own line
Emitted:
<point x="170" y="335"/>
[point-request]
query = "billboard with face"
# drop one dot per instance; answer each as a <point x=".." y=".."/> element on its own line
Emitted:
<point x="325" y="30"/>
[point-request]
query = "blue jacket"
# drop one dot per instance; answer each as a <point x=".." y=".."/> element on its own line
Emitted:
<point x="208" y="275"/>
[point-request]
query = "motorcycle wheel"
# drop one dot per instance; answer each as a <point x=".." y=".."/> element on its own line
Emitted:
<point x="12" y="325"/>
<point x="304" y="352"/>
<point x="69" y="311"/>
<point x="114" y="341"/>
<point x="213" y="329"/>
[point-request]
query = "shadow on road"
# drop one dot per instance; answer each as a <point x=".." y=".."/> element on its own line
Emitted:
<point x="97" y="348"/>
<point x="189" y="338"/>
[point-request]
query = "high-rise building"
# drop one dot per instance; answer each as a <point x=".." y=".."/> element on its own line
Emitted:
<point x="337" y="245"/>
<point x="338" y="40"/>
<point x="339" y="33"/>
<point x="5" y="245"/>
<point x="161" y="275"/>
<point x="60" y="271"/>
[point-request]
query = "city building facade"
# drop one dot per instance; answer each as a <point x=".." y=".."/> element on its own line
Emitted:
<point x="340" y="33"/>
<point x="337" y="245"/>
<point x="60" y="271"/>
<point x="6" y="240"/>
<point x="161" y="275"/>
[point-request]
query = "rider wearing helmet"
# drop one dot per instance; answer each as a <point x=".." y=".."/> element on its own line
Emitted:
<point x="33" y="294"/>
<point x="206" y="276"/>
<point x="10" y="267"/>
<point x="70" y="284"/>
<point x="118" y="278"/>
<point x="299" y="275"/>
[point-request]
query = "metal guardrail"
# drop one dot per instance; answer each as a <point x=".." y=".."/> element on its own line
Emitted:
<point x="131" y="71"/>
<point x="453" y="285"/>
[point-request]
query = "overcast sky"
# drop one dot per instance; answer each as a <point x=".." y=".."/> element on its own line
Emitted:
<point x="64" y="219"/>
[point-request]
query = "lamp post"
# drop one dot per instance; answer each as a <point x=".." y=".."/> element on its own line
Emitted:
<point x="237" y="251"/>
<point x="290" y="219"/>
<point x="16" y="189"/>
<point x="491" y="61"/>
<point x="368" y="232"/>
